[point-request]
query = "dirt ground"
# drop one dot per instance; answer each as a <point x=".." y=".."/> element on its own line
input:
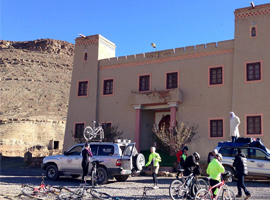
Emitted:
<point x="14" y="173"/>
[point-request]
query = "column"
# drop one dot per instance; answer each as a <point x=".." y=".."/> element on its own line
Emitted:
<point x="173" y="109"/>
<point x="138" y="126"/>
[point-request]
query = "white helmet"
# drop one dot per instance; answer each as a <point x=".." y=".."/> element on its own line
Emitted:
<point x="220" y="156"/>
<point x="197" y="156"/>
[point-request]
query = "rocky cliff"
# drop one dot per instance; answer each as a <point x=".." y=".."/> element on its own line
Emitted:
<point x="35" y="81"/>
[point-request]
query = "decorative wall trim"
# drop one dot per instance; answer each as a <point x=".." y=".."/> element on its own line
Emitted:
<point x="168" y="59"/>
<point x="85" y="42"/>
<point x="251" y="14"/>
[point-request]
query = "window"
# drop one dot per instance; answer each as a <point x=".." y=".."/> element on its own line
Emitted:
<point x="172" y="80"/>
<point x="253" y="71"/>
<point x="82" y="90"/>
<point x="257" y="154"/>
<point x="108" y="87"/>
<point x="226" y="151"/>
<point x="55" y="144"/>
<point x="253" y="32"/>
<point x="216" y="76"/>
<point x="216" y="128"/>
<point x="75" y="151"/>
<point x="254" y="125"/>
<point x="94" y="149"/>
<point x="85" y="56"/>
<point x="79" y="128"/>
<point x="106" y="150"/>
<point x="106" y="125"/>
<point x="144" y="83"/>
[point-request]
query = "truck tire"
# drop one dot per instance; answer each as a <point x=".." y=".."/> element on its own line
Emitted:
<point x="139" y="161"/>
<point x="52" y="172"/>
<point x="102" y="176"/>
<point x="121" y="178"/>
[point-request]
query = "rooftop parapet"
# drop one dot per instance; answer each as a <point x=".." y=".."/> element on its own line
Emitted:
<point x="202" y="50"/>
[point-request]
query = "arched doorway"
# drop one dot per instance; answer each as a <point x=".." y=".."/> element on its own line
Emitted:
<point x="165" y="120"/>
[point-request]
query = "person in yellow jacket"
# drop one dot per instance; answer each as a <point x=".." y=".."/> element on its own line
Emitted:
<point x="214" y="169"/>
<point x="154" y="160"/>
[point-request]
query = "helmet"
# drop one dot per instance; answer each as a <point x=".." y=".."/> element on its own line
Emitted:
<point x="219" y="155"/>
<point x="185" y="148"/>
<point x="197" y="156"/>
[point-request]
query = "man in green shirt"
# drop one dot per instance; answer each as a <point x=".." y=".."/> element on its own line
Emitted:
<point x="154" y="159"/>
<point x="214" y="169"/>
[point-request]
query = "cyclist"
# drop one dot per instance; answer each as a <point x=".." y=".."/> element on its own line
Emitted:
<point x="154" y="159"/>
<point x="181" y="158"/>
<point x="86" y="154"/>
<point x="191" y="163"/>
<point x="211" y="155"/>
<point x="214" y="169"/>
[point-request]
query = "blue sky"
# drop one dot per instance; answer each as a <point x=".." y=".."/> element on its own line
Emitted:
<point x="131" y="25"/>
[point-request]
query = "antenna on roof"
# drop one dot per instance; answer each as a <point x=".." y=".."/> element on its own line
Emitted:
<point x="252" y="4"/>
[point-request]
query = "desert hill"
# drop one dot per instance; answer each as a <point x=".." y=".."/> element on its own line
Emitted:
<point x="35" y="82"/>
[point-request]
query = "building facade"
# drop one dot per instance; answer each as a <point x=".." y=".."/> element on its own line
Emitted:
<point x="196" y="84"/>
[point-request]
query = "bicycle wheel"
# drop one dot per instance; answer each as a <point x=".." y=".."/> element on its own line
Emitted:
<point x="94" y="178"/>
<point x="34" y="192"/>
<point x="202" y="194"/>
<point x="88" y="133"/>
<point x="100" y="195"/>
<point x="228" y="194"/>
<point x="57" y="190"/>
<point x="199" y="184"/>
<point x="69" y="195"/>
<point x="178" y="190"/>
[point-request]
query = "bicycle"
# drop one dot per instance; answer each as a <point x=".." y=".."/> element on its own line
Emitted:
<point x="82" y="193"/>
<point x="90" y="133"/>
<point x="42" y="191"/>
<point x="227" y="194"/>
<point x="186" y="186"/>
<point x="94" y="173"/>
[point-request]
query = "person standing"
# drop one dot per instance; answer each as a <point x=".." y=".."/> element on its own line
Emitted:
<point x="234" y="123"/>
<point x="214" y="169"/>
<point x="86" y="154"/>
<point x="154" y="159"/>
<point x="211" y="155"/>
<point x="240" y="164"/>
<point x="181" y="158"/>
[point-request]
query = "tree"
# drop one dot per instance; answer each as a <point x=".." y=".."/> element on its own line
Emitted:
<point x="111" y="133"/>
<point x="174" y="138"/>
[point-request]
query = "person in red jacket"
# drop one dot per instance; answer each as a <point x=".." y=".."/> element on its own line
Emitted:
<point x="181" y="158"/>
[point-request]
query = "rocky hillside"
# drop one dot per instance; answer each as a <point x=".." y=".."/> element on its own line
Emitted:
<point x="35" y="81"/>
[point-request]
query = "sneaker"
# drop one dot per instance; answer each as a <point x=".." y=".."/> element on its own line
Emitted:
<point x="155" y="187"/>
<point x="238" y="196"/>
<point x="247" y="197"/>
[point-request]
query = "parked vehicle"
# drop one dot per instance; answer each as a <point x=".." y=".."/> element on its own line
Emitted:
<point x="258" y="157"/>
<point x="119" y="160"/>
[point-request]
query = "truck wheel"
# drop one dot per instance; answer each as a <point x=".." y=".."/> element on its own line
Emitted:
<point x="102" y="176"/>
<point x="121" y="178"/>
<point x="229" y="169"/>
<point x="52" y="172"/>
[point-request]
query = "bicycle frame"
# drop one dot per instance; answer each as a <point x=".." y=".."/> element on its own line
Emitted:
<point x="98" y="129"/>
<point x="219" y="186"/>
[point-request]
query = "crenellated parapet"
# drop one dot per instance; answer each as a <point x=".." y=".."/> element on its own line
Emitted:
<point x="189" y="52"/>
<point x="250" y="11"/>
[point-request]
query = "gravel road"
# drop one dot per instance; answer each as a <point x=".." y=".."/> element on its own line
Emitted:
<point x="14" y="173"/>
